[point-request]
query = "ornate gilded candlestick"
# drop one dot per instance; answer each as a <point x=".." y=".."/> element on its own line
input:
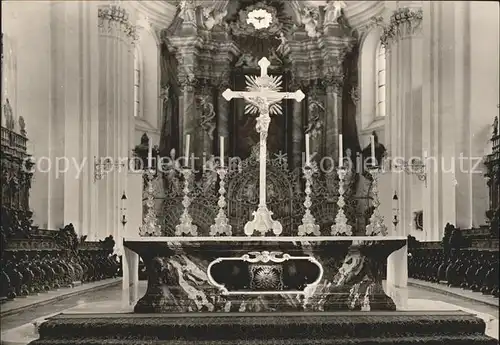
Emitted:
<point x="309" y="225"/>
<point x="186" y="227"/>
<point x="149" y="225"/>
<point x="340" y="226"/>
<point x="221" y="226"/>
<point x="376" y="226"/>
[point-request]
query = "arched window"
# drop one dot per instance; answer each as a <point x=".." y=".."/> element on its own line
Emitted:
<point x="137" y="83"/>
<point x="380" y="70"/>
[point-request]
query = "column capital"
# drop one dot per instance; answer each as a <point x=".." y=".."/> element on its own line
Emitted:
<point x="115" y="18"/>
<point x="333" y="81"/>
<point x="187" y="82"/>
<point x="404" y="22"/>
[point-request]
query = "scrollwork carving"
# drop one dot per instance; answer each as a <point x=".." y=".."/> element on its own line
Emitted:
<point x="316" y="112"/>
<point x="207" y="117"/>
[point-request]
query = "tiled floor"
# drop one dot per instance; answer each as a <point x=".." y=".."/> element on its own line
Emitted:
<point x="22" y="329"/>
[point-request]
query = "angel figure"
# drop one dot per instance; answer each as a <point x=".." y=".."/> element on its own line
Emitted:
<point x="333" y="11"/>
<point x="281" y="47"/>
<point x="187" y="10"/>
<point x="164" y="93"/>
<point x="214" y="16"/>
<point x="309" y="18"/>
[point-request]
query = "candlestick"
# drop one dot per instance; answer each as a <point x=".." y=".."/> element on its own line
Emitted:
<point x="308" y="226"/>
<point x="150" y="153"/>
<point x="376" y="226"/>
<point x="186" y="226"/>
<point x="150" y="225"/>
<point x="221" y="152"/>
<point x="341" y="151"/>
<point x="340" y="226"/>
<point x="372" y="140"/>
<point x="188" y="137"/>
<point x="221" y="226"/>
<point x="307" y="148"/>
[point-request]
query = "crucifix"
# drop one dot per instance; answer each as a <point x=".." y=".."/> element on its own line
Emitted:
<point x="262" y="94"/>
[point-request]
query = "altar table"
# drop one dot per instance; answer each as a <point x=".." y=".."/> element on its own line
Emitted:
<point x="263" y="274"/>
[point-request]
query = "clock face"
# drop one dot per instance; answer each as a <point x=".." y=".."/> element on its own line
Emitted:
<point x="260" y="18"/>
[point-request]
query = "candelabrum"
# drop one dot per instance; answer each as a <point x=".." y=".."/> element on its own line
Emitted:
<point x="309" y="225"/>
<point x="149" y="225"/>
<point x="186" y="227"/>
<point x="376" y="226"/>
<point x="221" y="226"/>
<point x="340" y="226"/>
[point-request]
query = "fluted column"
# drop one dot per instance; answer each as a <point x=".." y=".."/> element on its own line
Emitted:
<point x="116" y="35"/>
<point x="402" y="40"/>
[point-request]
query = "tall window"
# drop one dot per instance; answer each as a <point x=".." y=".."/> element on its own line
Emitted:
<point x="381" y="60"/>
<point x="137" y="83"/>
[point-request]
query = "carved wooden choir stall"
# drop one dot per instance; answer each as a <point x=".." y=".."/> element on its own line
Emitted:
<point x="34" y="260"/>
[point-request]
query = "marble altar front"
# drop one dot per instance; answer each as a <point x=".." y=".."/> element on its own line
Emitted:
<point x="254" y="274"/>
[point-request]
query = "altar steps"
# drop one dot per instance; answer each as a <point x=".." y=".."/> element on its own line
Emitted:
<point x="354" y="328"/>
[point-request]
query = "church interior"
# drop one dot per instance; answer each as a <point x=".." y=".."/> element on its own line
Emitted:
<point x="250" y="171"/>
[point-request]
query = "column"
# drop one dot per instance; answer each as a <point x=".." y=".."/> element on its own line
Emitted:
<point x="116" y="36"/>
<point x="223" y="117"/>
<point x="333" y="115"/>
<point x="402" y="40"/>
<point x="187" y="110"/>
<point x="74" y="71"/>
<point x="297" y="130"/>
<point x="446" y="116"/>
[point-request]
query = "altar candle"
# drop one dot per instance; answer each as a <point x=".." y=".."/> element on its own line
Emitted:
<point x="372" y="140"/>
<point x="341" y="151"/>
<point x="222" y="151"/>
<point x="307" y="148"/>
<point x="188" y="137"/>
<point x="150" y="153"/>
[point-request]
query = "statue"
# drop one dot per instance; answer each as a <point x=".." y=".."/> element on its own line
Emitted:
<point x="9" y="117"/>
<point x="164" y="93"/>
<point x="315" y="124"/>
<point x="188" y="11"/>
<point x="333" y="11"/>
<point x="281" y="47"/>
<point x="22" y="126"/>
<point x="213" y="18"/>
<point x="309" y="18"/>
<point x="495" y="127"/>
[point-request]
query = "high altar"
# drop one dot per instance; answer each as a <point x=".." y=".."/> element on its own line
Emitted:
<point x="198" y="247"/>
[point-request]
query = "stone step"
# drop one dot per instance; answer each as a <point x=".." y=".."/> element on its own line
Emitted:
<point x="417" y="340"/>
<point x="245" y="328"/>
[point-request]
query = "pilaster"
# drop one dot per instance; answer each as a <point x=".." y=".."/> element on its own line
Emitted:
<point x="402" y="41"/>
<point x="116" y="36"/>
